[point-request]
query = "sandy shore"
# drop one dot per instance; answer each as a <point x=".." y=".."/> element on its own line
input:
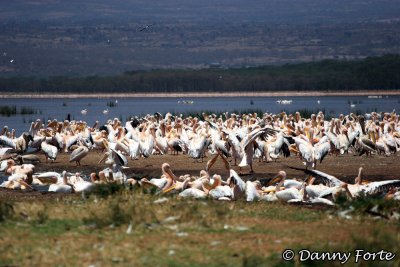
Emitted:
<point x="201" y="94"/>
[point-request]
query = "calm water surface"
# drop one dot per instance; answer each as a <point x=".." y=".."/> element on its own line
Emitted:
<point x="56" y="108"/>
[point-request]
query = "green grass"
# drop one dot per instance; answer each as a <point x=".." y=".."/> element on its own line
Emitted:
<point x="125" y="227"/>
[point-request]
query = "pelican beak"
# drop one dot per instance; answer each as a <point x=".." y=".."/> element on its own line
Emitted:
<point x="169" y="189"/>
<point x="308" y="179"/>
<point x="103" y="159"/>
<point x="275" y="179"/>
<point x="105" y="143"/>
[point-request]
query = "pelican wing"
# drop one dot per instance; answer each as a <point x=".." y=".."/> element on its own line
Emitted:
<point x="5" y="141"/>
<point x="381" y="187"/>
<point x="212" y="125"/>
<point x="321" y="151"/>
<point x="220" y="191"/>
<point x="264" y="133"/>
<point x="279" y="143"/>
<point x="5" y="151"/>
<point x="367" y="144"/>
<point x="119" y="158"/>
<point x="51" y="151"/>
<point x="306" y="152"/>
<point x="239" y="185"/>
<point x="193" y="193"/>
<point x="251" y="192"/>
<point x="285" y="148"/>
<point x="326" y="178"/>
<point x="78" y="153"/>
<point x="72" y="140"/>
<point x="333" y="138"/>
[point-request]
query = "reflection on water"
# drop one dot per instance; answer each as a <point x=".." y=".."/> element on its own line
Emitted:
<point x="102" y="108"/>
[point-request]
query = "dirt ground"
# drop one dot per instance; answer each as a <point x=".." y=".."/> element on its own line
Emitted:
<point x="345" y="167"/>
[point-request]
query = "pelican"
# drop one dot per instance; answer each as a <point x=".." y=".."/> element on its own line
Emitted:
<point x="291" y="193"/>
<point x="78" y="154"/>
<point x="84" y="111"/>
<point x="252" y="192"/>
<point x="218" y="190"/>
<point x="105" y="112"/>
<point x="247" y="147"/>
<point x="50" y="151"/>
<point x="193" y="193"/>
<point x="114" y="157"/>
<point x="237" y="184"/>
<point x="146" y="141"/>
<point x="46" y="177"/>
<point x="21" y="143"/>
<point x="63" y="187"/>
<point x="197" y="147"/>
<point x="6" y="141"/>
<point x="5" y="151"/>
<point x="83" y="186"/>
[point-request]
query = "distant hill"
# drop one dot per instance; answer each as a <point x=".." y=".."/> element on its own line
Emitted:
<point x="374" y="73"/>
<point x="103" y="37"/>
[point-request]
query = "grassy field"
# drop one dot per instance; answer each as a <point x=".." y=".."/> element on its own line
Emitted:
<point x="121" y="227"/>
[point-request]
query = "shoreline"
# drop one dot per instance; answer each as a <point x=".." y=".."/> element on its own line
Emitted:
<point x="201" y="94"/>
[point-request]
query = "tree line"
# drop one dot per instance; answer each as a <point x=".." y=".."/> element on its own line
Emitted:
<point x="372" y="73"/>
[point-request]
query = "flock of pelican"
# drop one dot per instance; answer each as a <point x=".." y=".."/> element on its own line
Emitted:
<point x="235" y="139"/>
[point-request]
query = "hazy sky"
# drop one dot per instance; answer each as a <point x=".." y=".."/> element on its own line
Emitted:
<point x="275" y="11"/>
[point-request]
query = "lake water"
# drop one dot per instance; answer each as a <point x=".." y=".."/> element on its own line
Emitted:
<point x="59" y="108"/>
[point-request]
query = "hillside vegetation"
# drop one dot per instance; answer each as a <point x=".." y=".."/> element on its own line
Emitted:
<point x="372" y="73"/>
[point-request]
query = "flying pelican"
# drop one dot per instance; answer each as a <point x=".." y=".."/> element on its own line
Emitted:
<point x="146" y="27"/>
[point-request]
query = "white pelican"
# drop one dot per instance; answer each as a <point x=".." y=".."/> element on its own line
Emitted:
<point x="6" y="141"/>
<point x="84" y="111"/>
<point x="197" y="146"/>
<point x="237" y="184"/>
<point x="49" y="150"/>
<point x="78" y="154"/>
<point x="290" y="193"/>
<point x="83" y="186"/>
<point x="146" y="141"/>
<point x="61" y="187"/>
<point x="252" y="192"/>
<point x="247" y="145"/>
<point x="193" y="193"/>
<point x="21" y="143"/>
<point x="4" y="151"/>
<point x="47" y="177"/>
<point x="114" y="157"/>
